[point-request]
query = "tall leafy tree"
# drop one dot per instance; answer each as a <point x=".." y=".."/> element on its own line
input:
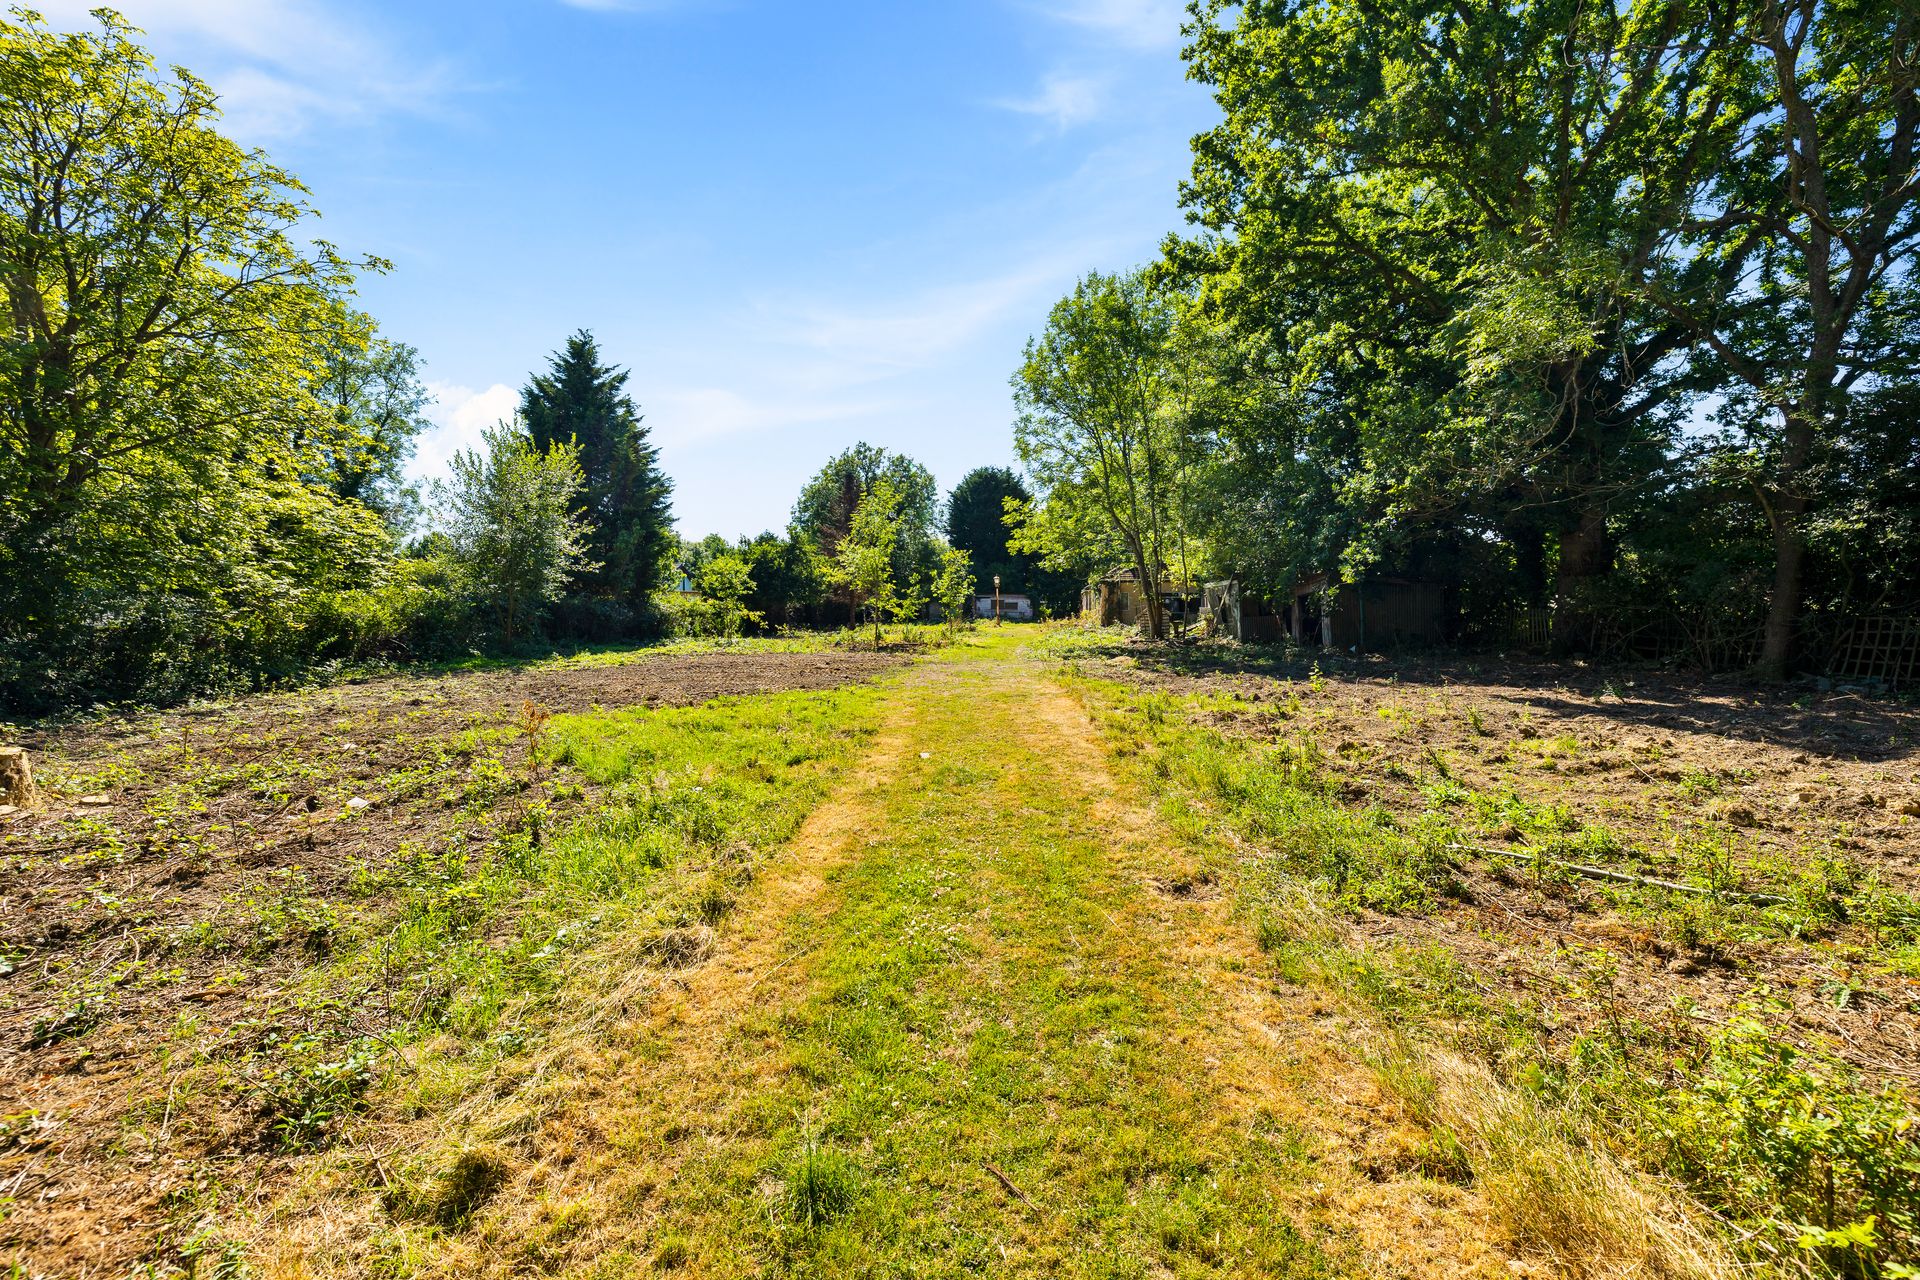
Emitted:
<point x="825" y="510"/>
<point x="625" y="496"/>
<point x="512" y="517"/>
<point x="1102" y="400"/>
<point x="1436" y="211"/>
<point x="1815" y="202"/>
<point x="977" y="525"/>
<point x="826" y="506"/>
<point x="162" y="432"/>
<point x="1593" y="215"/>
<point x="374" y="393"/>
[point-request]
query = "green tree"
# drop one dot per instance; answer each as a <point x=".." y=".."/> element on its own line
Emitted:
<point x="374" y="392"/>
<point x="1509" y="245"/>
<point x="514" y="526"/>
<point x="1102" y="411"/>
<point x="162" y="436"/>
<point x="1814" y="200"/>
<point x="788" y="575"/>
<point x="977" y="524"/>
<point x="725" y="583"/>
<point x="626" y="496"/>
<point x="863" y="562"/>
<point x="825" y="509"/>
<point x="1432" y="212"/>
<point x="952" y="587"/>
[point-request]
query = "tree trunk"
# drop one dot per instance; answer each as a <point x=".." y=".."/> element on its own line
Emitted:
<point x="1530" y="562"/>
<point x="16" y="777"/>
<point x="1586" y="552"/>
<point x="1787" y="511"/>
<point x="1783" y="606"/>
<point x="1783" y="609"/>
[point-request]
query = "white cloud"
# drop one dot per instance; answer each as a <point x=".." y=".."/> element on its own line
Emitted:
<point x="458" y="414"/>
<point x="1142" y="24"/>
<point x="280" y="65"/>
<point x="1065" y="100"/>
<point x="699" y="415"/>
<point x="851" y="343"/>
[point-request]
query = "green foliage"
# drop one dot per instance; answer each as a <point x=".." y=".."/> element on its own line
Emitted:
<point x="1105" y="396"/>
<point x="623" y="496"/>
<point x="1789" y="1139"/>
<point x="379" y="405"/>
<point x="514" y="532"/>
<point x="863" y="562"/>
<point x="725" y="584"/>
<point x="789" y="576"/>
<point x="953" y="586"/>
<point x="825" y="510"/>
<point x="308" y="1083"/>
<point x="977" y="525"/>
<point x="173" y="459"/>
<point x="1470" y="300"/>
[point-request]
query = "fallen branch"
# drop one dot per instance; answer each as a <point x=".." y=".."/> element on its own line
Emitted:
<point x="1007" y="1182"/>
<point x="1623" y="877"/>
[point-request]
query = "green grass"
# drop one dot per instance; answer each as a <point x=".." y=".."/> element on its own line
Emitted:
<point x="459" y="960"/>
<point x="967" y="993"/>
<point x="1816" y="1169"/>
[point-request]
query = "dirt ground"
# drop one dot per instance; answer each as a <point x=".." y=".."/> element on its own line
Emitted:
<point x="1773" y="783"/>
<point x="137" y="897"/>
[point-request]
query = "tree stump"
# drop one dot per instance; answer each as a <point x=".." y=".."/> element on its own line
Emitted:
<point x="16" y="777"/>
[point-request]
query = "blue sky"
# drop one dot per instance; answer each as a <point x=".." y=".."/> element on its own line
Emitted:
<point x="799" y="225"/>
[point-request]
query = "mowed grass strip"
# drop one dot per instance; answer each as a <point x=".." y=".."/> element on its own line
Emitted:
<point x="536" y="944"/>
<point x="978" y="1064"/>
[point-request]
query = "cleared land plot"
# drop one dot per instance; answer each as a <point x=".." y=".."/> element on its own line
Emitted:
<point x="1740" y="794"/>
<point x="210" y="927"/>
<point x="1676" y="918"/>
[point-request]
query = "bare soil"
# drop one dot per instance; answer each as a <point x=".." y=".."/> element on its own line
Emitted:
<point x="138" y="925"/>
<point x="1781" y="780"/>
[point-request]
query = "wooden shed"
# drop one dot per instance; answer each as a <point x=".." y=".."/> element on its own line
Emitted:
<point x="1117" y="597"/>
<point x="1231" y="610"/>
<point x="1376" y="613"/>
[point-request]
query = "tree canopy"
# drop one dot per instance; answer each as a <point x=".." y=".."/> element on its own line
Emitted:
<point x="582" y="400"/>
<point x="171" y="465"/>
<point x="977" y="525"/>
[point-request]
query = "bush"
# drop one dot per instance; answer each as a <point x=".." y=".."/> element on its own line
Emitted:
<point x="165" y="647"/>
<point x="1780" y="1137"/>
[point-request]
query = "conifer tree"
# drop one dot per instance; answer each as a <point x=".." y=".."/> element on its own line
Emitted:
<point x="582" y="400"/>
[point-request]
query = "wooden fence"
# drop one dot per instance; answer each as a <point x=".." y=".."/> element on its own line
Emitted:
<point x="1886" y="649"/>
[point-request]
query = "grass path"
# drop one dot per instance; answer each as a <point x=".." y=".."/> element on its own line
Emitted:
<point x="983" y="1016"/>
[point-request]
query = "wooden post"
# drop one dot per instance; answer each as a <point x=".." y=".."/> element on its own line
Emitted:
<point x="16" y="777"/>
